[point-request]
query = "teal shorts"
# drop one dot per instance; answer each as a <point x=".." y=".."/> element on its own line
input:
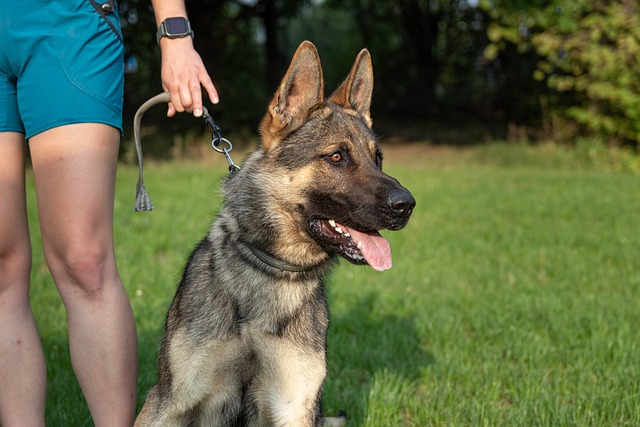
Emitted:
<point x="61" y="63"/>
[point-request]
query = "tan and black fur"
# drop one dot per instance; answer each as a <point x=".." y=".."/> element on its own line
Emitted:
<point x="245" y="337"/>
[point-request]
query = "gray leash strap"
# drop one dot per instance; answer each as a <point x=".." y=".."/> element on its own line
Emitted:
<point x="143" y="203"/>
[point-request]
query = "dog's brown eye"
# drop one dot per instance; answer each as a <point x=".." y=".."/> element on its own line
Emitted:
<point x="379" y="159"/>
<point x="336" y="157"/>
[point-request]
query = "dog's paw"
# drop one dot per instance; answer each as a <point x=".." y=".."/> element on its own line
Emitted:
<point x="339" y="421"/>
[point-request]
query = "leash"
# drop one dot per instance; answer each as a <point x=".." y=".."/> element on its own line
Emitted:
<point x="143" y="203"/>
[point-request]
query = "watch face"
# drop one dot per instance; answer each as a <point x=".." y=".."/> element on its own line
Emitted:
<point x="176" y="26"/>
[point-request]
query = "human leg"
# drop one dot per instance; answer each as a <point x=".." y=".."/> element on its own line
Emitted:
<point x="74" y="168"/>
<point x="22" y="365"/>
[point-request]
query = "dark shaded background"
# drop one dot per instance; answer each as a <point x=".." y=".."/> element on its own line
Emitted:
<point x="457" y="64"/>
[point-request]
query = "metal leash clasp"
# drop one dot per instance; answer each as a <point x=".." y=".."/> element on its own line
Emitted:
<point x="215" y="142"/>
<point x="217" y="139"/>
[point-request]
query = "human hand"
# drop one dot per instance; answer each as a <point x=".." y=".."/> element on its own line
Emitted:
<point x="182" y="74"/>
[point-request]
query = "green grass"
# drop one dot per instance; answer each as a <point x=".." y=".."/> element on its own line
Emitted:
<point x="514" y="298"/>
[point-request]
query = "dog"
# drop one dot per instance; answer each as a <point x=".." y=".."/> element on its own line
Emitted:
<point x="245" y="337"/>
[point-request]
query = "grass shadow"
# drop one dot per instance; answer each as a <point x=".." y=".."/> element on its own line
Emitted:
<point x="364" y="344"/>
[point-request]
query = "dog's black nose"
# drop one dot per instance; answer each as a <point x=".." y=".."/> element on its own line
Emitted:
<point x="401" y="201"/>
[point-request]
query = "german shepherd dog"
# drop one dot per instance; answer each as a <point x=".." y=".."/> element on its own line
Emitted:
<point x="245" y="337"/>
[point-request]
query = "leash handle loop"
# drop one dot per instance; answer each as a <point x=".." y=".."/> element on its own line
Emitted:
<point x="143" y="203"/>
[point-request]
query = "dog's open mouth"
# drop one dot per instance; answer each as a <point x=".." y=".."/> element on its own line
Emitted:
<point x="359" y="247"/>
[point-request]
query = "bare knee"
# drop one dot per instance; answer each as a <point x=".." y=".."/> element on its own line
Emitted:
<point x="81" y="269"/>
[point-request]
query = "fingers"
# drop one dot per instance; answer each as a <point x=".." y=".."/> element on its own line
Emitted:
<point x="184" y="98"/>
<point x="209" y="87"/>
<point x="196" y="98"/>
<point x="188" y="97"/>
<point x="171" y="110"/>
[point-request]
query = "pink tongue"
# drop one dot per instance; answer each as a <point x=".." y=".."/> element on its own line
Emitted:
<point x="374" y="248"/>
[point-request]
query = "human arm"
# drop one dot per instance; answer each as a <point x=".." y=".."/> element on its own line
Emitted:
<point x="182" y="69"/>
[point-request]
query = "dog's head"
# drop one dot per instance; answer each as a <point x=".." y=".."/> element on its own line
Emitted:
<point x="329" y="163"/>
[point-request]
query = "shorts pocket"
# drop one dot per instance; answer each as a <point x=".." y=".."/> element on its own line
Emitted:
<point x="88" y="45"/>
<point x="106" y="9"/>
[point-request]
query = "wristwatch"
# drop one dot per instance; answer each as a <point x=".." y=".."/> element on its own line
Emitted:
<point x="174" y="28"/>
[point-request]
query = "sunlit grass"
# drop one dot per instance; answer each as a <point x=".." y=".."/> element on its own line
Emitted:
<point x="513" y="299"/>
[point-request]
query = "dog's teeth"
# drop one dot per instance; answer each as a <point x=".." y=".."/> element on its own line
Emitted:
<point x="359" y="245"/>
<point x="332" y="223"/>
<point x="347" y="235"/>
<point x="339" y="230"/>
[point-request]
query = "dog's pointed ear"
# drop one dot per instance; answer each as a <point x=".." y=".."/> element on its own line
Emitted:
<point x="300" y="91"/>
<point x="355" y="92"/>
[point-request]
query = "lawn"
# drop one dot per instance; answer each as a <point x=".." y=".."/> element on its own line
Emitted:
<point x="514" y="298"/>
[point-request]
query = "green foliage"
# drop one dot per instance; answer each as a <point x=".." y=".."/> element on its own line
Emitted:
<point x="590" y="49"/>
<point x="597" y="155"/>
<point x="586" y="154"/>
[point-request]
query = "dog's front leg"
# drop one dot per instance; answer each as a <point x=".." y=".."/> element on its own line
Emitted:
<point x="158" y="412"/>
<point x="290" y="383"/>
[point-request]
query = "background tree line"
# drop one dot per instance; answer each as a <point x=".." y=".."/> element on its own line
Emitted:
<point x="539" y="68"/>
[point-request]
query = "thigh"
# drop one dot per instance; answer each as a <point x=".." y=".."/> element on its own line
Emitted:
<point x="75" y="169"/>
<point x="14" y="232"/>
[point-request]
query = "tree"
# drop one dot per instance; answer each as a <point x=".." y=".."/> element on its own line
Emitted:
<point x="424" y="51"/>
<point x="587" y="49"/>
